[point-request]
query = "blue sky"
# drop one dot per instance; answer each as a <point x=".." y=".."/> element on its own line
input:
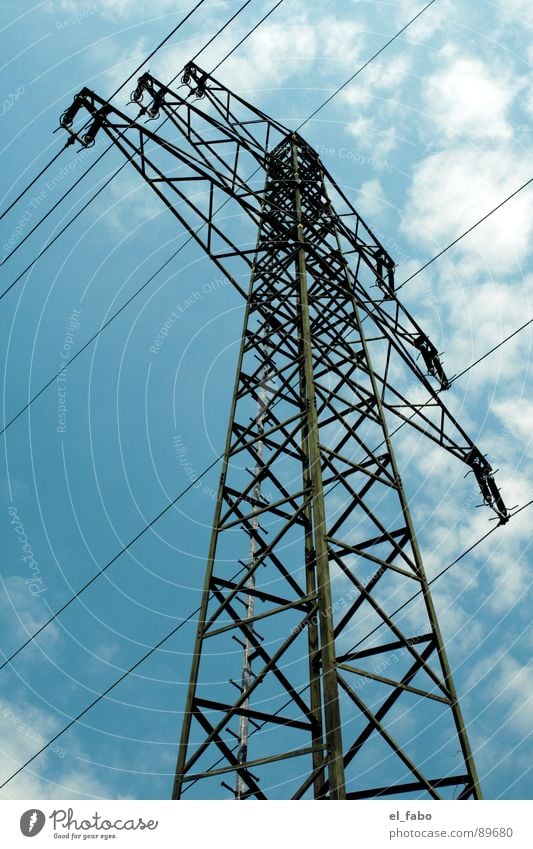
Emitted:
<point x="429" y="137"/>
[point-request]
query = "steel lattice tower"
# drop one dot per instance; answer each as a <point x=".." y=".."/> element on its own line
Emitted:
<point x="303" y="684"/>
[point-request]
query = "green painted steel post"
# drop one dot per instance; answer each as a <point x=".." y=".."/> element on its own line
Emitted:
<point x="330" y="687"/>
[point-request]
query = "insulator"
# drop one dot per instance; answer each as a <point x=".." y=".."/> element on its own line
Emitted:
<point x="90" y="135"/>
<point x="487" y="485"/>
<point x="200" y="88"/>
<point x="187" y="73"/>
<point x="390" y="275"/>
<point x="154" y="109"/>
<point x="431" y="359"/>
<point x="138" y="93"/>
<point x="67" y="118"/>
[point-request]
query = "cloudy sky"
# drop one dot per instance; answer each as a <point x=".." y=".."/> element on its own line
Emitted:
<point x="427" y="139"/>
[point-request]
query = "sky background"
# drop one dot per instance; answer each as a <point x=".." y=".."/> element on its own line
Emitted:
<point x="431" y="136"/>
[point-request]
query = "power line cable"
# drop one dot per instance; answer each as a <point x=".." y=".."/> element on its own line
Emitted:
<point x="152" y="277"/>
<point x="118" y="555"/>
<point x="161" y="267"/>
<point x="181" y="624"/>
<point x="436" y="577"/>
<point x="492" y="350"/>
<point x="111" y="687"/>
<point x="116" y="314"/>
<point x="68" y="224"/>
<point x="158" y="645"/>
<point x="366" y="64"/>
<point x="263" y="19"/>
<point x="128" y="301"/>
<point x="156" y="49"/>
<point x="100" y="697"/>
<point x="94" y="336"/>
<point x="50" y="211"/>
<point x="110" y="562"/>
<point x="111" y="178"/>
<point x="32" y="183"/>
<point x="219" y="31"/>
<point x="466" y="232"/>
<point x="136" y="71"/>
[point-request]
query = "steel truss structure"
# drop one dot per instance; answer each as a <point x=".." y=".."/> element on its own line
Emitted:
<point x="313" y="545"/>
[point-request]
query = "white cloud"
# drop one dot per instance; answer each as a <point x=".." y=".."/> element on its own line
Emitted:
<point x="516" y="416"/>
<point x="517" y="11"/>
<point x="279" y="50"/>
<point x="468" y="99"/>
<point x="429" y="23"/>
<point x="57" y="773"/>
<point x="508" y="689"/>
<point x="371" y="199"/>
<point x="453" y="189"/>
<point x="23" y="613"/>
<point x="372" y="135"/>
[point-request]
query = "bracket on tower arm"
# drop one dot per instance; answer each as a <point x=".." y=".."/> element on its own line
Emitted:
<point x="67" y="119"/>
<point x="485" y="477"/>
<point x="431" y="358"/>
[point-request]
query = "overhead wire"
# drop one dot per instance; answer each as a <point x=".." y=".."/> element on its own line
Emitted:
<point x="216" y="35"/>
<point x="140" y="289"/>
<point x="201" y="475"/>
<point x="68" y="224"/>
<point x="174" y="501"/>
<point x="113" y="560"/>
<point x="112" y="177"/>
<point x="366" y="64"/>
<point x="47" y="215"/>
<point x="32" y="183"/>
<point x="153" y="649"/>
<point x="466" y="232"/>
<point x="491" y="351"/>
<point x="146" y="283"/>
<point x="101" y="571"/>
<point x="114" y="94"/>
<point x="100" y="697"/>
<point x="189" y="239"/>
<point x="95" y="335"/>
<point x="436" y="577"/>
<point x="258" y="24"/>
<point x="188" y="619"/>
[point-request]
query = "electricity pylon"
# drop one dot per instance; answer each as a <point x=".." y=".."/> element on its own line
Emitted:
<point x="303" y="682"/>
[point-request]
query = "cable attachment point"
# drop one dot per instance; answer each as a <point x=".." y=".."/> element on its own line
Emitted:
<point x="487" y="485"/>
<point x="138" y="93"/>
<point x="88" y="139"/>
<point x="67" y="118"/>
<point x="155" y="107"/>
<point x="187" y="73"/>
<point x="385" y="274"/>
<point x="196" y="79"/>
<point x="431" y="359"/>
